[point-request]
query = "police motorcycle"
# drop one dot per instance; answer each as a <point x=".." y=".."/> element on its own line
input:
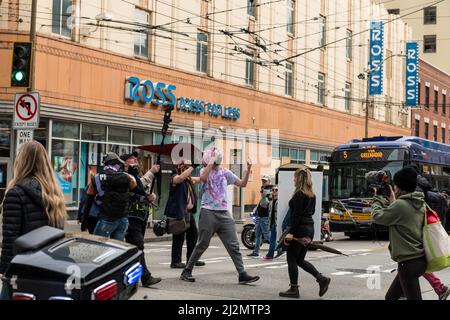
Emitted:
<point x="248" y="232"/>
<point x="52" y="265"/>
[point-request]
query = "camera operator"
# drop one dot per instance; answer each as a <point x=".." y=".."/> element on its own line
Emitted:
<point x="262" y="214"/>
<point x="379" y="180"/>
<point x="404" y="214"/>
<point x="438" y="203"/>
<point x="138" y="214"/>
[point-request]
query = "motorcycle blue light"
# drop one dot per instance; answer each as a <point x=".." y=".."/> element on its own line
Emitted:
<point x="133" y="274"/>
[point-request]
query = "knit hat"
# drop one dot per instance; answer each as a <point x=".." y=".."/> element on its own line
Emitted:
<point x="112" y="157"/>
<point x="127" y="156"/>
<point x="406" y="179"/>
<point x="208" y="155"/>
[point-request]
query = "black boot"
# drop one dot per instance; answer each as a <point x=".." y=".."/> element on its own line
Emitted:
<point x="186" y="275"/>
<point x="150" y="281"/>
<point x="323" y="284"/>
<point x="291" y="293"/>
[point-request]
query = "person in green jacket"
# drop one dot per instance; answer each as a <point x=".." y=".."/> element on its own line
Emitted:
<point x="404" y="214"/>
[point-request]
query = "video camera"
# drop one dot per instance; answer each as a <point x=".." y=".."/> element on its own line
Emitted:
<point x="380" y="181"/>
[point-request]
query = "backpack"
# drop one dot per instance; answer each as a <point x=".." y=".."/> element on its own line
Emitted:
<point x="113" y="194"/>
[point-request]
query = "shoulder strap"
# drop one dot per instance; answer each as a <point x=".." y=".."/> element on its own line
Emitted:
<point x="98" y="185"/>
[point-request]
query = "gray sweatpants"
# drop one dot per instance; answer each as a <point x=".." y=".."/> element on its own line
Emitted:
<point x="220" y="222"/>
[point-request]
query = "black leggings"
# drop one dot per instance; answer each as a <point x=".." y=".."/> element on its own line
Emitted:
<point x="296" y="257"/>
<point x="407" y="280"/>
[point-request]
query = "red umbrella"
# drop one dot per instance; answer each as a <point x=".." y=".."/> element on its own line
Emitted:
<point x="186" y="151"/>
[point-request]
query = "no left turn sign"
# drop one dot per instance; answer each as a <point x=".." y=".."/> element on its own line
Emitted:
<point x="26" y="111"/>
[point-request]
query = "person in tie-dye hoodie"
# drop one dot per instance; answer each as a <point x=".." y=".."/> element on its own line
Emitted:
<point x="214" y="215"/>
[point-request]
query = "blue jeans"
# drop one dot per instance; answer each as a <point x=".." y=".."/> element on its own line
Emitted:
<point x="112" y="228"/>
<point x="5" y="293"/>
<point x="273" y="240"/>
<point x="262" y="228"/>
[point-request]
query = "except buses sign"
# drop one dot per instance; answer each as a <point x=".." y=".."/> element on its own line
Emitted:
<point x="26" y="111"/>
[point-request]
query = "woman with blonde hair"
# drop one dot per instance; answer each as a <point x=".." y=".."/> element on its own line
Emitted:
<point x="33" y="200"/>
<point x="302" y="206"/>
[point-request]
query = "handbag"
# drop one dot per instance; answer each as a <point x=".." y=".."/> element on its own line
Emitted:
<point x="178" y="226"/>
<point x="436" y="242"/>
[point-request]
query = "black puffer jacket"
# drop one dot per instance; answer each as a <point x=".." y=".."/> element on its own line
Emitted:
<point x="435" y="200"/>
<point x="23" y="211"/>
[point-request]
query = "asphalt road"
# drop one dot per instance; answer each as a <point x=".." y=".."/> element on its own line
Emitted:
<point x="365" y="274"/>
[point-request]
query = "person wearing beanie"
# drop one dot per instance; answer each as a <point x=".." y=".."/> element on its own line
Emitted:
<point x="404" y="214"/>
<point x="111" y="191"/>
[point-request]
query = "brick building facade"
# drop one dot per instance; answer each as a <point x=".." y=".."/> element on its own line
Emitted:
<point x="432" y="119"/>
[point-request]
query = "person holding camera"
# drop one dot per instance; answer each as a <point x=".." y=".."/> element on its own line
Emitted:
<point x="214" y="215"/>
<point x="262" y="214"/>
<point x="138" y="213"/>
<point x="403" y="212"/>
<point x="182" y="204"/>
<point x="273" y="226"/>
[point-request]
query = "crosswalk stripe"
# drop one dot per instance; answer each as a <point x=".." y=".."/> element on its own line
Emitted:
<point x="264" y="264"/>
<point x="366" y="275"/>
<point x="277" y="267"/>
<point x="341" y="273"/>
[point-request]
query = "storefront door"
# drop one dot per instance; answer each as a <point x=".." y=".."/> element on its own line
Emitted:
<point x="5" y="175"/>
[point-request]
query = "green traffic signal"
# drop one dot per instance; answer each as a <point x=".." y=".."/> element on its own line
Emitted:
<point x="19" y="76"/>
<point x="21" y="64"/>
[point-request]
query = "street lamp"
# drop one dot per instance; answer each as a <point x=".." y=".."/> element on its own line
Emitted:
<point x="366" y="75"/>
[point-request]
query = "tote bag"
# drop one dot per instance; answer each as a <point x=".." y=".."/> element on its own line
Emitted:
<point x="436" y="242"/>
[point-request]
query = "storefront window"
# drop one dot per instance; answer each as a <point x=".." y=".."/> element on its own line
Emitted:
<point x="66" y="130"/>
<point x="5" y="138"/>
<point x="65" y="163"/>
<point x="158" y="138"/>
<point x="119" y="149"/>
<point x="40" y="134"/>
<point x="93" y="132"/>
<point x="119" y="135"/>
<point x="91" y="161"/>
<point x="141" y="138"/>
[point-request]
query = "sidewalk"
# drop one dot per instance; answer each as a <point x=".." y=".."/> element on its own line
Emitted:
<point x="73" y="227"/>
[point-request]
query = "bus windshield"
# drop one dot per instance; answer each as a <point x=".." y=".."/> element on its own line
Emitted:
<point x="348" y="179"/>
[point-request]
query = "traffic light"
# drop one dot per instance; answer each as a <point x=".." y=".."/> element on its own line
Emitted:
<point x="21" y="64"/>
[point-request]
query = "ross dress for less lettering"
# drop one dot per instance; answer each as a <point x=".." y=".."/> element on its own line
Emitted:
<point x="162" y="94"/>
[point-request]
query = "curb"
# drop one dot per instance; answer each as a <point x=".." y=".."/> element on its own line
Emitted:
<point x="158" y="239"/>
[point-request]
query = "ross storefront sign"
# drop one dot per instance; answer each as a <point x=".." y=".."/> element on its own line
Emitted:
<point x="376" y="58"/>
<point x="213" y="110"/>
<point x="162" y="94"/>
<point x="148" y="92"/>
<point x="412" y="73"/>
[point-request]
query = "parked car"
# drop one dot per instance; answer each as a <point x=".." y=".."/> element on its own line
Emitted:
<point x="52" y="265"/>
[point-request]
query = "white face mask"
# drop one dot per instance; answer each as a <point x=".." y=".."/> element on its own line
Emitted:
<point x="219" y="159"/>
